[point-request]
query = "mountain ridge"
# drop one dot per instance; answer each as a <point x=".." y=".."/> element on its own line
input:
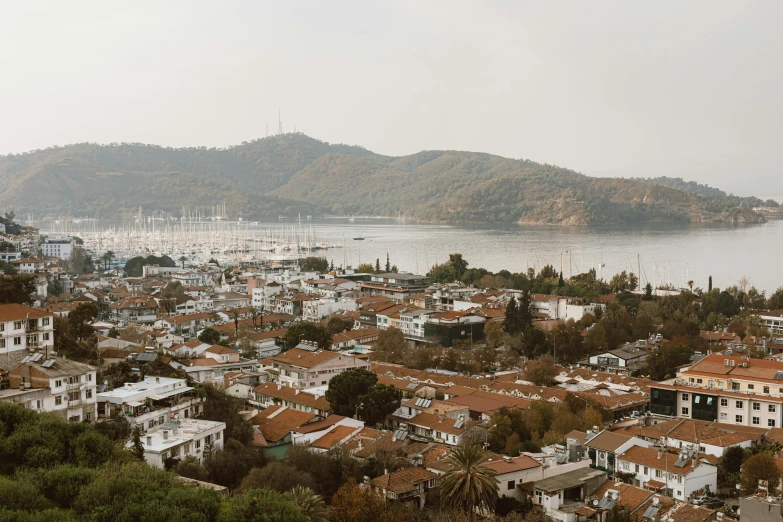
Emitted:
<point x="294" y="173"/>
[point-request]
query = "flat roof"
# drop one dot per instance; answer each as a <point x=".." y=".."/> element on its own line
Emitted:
<point x="568" y="480"/>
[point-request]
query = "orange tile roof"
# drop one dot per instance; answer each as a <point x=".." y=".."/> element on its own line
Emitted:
<point x="287" y="393"/>
<point x="304" y="358"/>
<point x="276" y="427"/>
<point x="437" y="423"/>
<point x="334" y="437"/>
<point x="515" y="464"/>
<point x="404" y="480"/>
<point x="17" y="312"/>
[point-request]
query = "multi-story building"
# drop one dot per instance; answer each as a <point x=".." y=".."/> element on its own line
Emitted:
<point x="659" y="470"/>
<point x="309" y="369"/>
<point x="316" y="309"/>
<point x="57" y="247"/>
<point x="135" y="309"/>
<point x="398" y="287"/>
<point x="773" y="321"/>
<point x="724" y="388"/>
<point x="180" y="439"/>
<point x="71" y="385"/>
<point x="23" y="329"/>
<point x="29" y="265"/>
<point x="151" y="402"/>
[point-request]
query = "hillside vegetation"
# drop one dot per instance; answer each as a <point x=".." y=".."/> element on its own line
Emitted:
<point x="293" y="173"/>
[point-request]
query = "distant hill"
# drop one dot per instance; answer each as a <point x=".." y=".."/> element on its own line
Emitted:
<point x="293" y="173"/>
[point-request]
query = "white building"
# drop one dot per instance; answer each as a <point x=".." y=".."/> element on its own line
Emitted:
<point x="773" y="321"/>
<point x="310" y="369"/>
<point x="28" y="265"/>
<point x="151" y="402"/>
<point x="23" y="329"/>
<point x="57" y="247"/>
<point x="659" y="470"/>
<point x="316" y="309"/>
<point x="71" y="385"/>
<point x="177" y="440"/>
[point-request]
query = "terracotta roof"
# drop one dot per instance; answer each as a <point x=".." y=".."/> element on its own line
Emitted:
<point x="182" y="319"/>
<point x="328" y="422"/>
<point x="17" y="312"/>
<point x="649" y="457"/>
<point x="334" y="437"/>
<point x="437" y="423"/>
<point x="276" y="422"/>
<point x="216" y="348"/>
<point x="691" y="513"/>
<point x="304" y="358"/>
<point x="515" y="464"/>
<point x="608" y="441"/>
<point x="580" y="436"/>
<point x="290" y="394"/>
<point x="404" y="480"/>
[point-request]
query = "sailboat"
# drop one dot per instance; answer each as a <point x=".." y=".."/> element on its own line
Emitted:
<point x="351" y="219"/>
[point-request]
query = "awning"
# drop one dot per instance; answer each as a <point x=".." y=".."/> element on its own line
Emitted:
<point x="133" y="403"/>
<point x="654" y="484"/>
<point x="171" y="393"/>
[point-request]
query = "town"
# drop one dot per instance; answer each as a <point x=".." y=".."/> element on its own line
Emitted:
<point x="296" y="390"/>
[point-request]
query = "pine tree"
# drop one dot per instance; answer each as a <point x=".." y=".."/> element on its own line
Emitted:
<point x="331" y="266"/>
<point x="377" y="264"/>
<point x="388" y="265"/>
<point x="525" y="315"/>
<point x="560" y="282"/>
<point x="137" y="448"/>
<point x="512" y="325"/>
<point x="709" y="287"/>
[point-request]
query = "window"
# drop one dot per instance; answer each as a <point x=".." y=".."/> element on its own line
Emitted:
<point x="757" y="406"/>
<point x="691" y="379"/>
<point x="699" y="381"/>
<point x="58" y="383"/>
<point x="771" y="423"/>
<point x="217" y="436"/>
<point x="636" y="466"/>
<point x="724" y="416"/>
<point x="46" y="337"/>
<point x="198" y="444"/>
<point x="766" y="389"/>
<point x="735" y="385"/>
<point x="58" y="400"/>
<point x="17" y="325"/>
<point x="38" y="404"/>
<point x="88" y="394"/>
<point x="658" y="473"/>
<point x="88" y="416"/>
<point x="17" y="341"/>
<point x="89" y="377"/>
<point x="772" y="408"/>
<point x="45" y="321"/>
<point x="2" y="327"/>
<point x="646" y="471"/>
<point x="685" y="396"/>
<point x="74" y="396"/>
<point x="756" y="421"/>
<point x="2" y="342"/>
<point x="679" y="493"/>
<point x="738" y="404"/>
<point x="685" y="410"/>
<point x="724" y="402"/>
<point x="511" y="485"/>
<point x="751" y="386"/>
<point x="738" y="419"/>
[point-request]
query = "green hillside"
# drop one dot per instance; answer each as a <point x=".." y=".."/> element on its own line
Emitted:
<point x="293" y="173"/>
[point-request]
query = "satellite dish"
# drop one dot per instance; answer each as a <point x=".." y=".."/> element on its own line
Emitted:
<point x="656" y="500"/>
<point x="595" y="502"/>
<point x="614" y="496"/>
<point x="606" y="495"/>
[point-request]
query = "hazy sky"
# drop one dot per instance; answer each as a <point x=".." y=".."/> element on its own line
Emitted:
<point x="680" y="88"/>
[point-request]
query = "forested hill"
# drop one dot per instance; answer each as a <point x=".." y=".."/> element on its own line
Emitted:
<point x="293" y="173"/>
<point x="706" y="191"/>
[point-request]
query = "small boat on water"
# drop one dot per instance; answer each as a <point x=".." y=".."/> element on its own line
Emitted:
<point x="359" y="238"/>
<point x="351" y="220"/>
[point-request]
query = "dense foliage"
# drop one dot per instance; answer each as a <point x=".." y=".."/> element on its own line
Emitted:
<point x="135" y="266"/>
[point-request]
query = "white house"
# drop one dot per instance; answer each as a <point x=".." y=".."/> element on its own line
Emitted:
<point x="656" y="469"/>
<point x="180" y="439"/>
<point x="23" y="329"/>
<point x="151" y="402"/>
<point x="316" y="309"/>
<point x="309" y="369"/>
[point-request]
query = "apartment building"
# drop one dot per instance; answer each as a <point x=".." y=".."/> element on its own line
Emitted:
<point x="724" y="388"/>
<point x="180" y="439"/>
<point x="57" y="247"/>
<point x="150" y="402"/>
<point x="773" y="321"/>
<point x="71" y="385"/>
<point x="309" y="369"/>
<point x="23" y="329"/>
<point x="659" y="470"/>
<point x="135" y="309"/>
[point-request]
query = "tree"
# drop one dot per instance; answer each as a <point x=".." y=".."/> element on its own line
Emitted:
<point x="458" y="264"/>
<point x="80" y="318"/>
<point x="305" y="331"/>
<point x="377" y="265"/>
<point x="619" y="513"/>
<point x="352" y="503"/>
<point x="469" y="484"/>
<point x="209" y="335"/>
<point x="493" y="333"/>
<point x="136" y="447"/>
<point x="512" y="324"/>
<point x="346" y="388"/>
<point x="759" y="467"/>
<point x="663" y="363"/>
<point x="388" y="265"/>
<point x="337" y="324"/>
<point x="190" y="467"/>
<point x="391" y="345"/>
<point x="732" y="459"/>
<point x="261" y="505"/>
<point x="541" y="371"/>
<point x="379" y="401"/>
<point x="8" y="268"/>
<point x="309" y="503"/>
<point x="134" y="267"/>
<point x="18" y="289"/>
<point x="365" y="268"/>
<point x="182" y="260"/>
<point x="314" y="264"/>
<point x="277" y="476"/>
<point x="107" y="258"/>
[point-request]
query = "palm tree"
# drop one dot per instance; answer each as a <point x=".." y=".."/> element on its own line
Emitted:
<point x="106" y="258"/>
<point x="182" y="260"/>
<point x="235" y="315"/>
<point x="469" y="484"/>
<point x="311" y="505"/>
<point x="253" y="311"/>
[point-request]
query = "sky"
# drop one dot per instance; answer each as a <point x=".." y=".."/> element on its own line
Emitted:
<point x="686" y="89"/>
